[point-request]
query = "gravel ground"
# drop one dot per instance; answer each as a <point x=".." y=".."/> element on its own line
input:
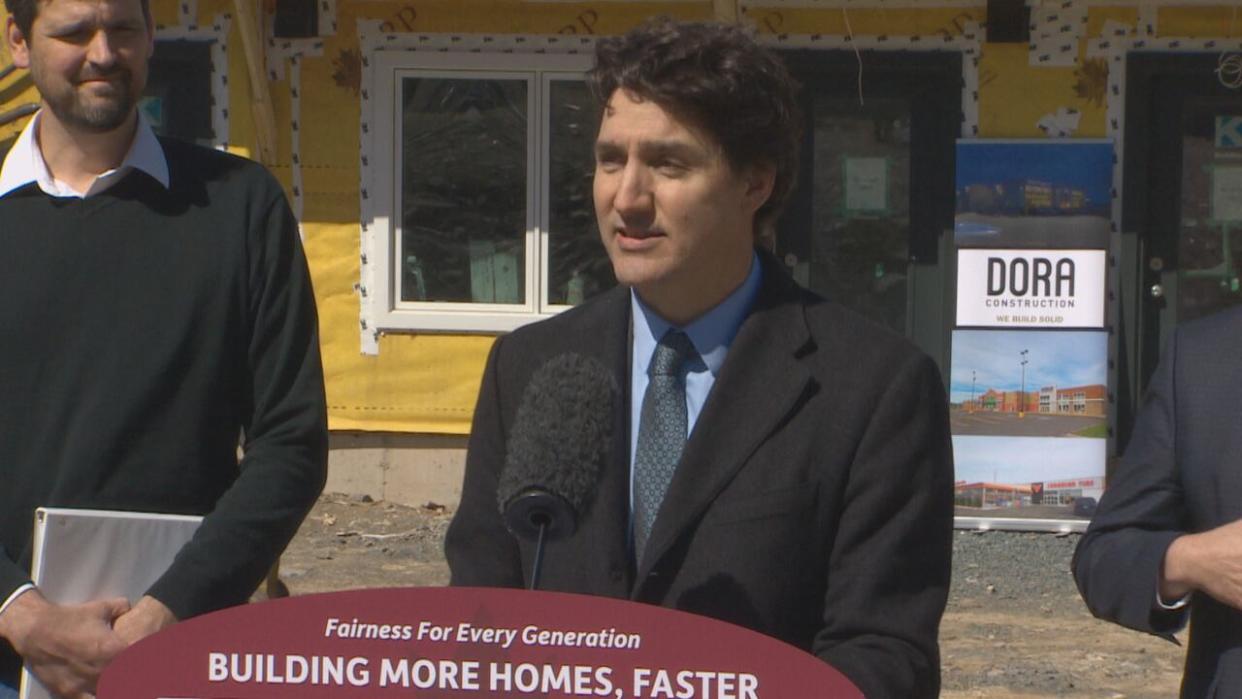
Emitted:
<point x="350" y="542"/>
<point x="1015" y="627"/>
<point x="1030" y="569"/>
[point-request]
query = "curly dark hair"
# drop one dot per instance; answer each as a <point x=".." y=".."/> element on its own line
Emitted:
<point x="717" y="77"/>
<point x="24" y="12"/>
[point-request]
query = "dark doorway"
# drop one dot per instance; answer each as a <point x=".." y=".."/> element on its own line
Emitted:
<point x="1183" y="204"/>
<point x="178" y="99"/>
<point x="875" y="191"/>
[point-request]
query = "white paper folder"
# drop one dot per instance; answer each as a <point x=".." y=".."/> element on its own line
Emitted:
<point x="85" y="555"/>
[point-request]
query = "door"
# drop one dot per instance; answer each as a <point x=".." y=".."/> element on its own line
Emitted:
<point x="1183" y="199"/>
<point x="178" y="100"/>
<point x="875" y="192"/>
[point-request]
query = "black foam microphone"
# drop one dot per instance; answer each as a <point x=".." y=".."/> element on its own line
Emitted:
<point x="558" y="446"/>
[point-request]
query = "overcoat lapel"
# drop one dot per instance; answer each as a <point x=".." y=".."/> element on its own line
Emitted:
<point x="760" y="384"/>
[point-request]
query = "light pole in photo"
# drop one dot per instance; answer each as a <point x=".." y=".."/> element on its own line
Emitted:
<point x="1022" y="393"/>
<point x="970" y="407"/>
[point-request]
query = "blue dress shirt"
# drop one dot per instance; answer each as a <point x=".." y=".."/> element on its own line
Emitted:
<point x="711" y="334"/>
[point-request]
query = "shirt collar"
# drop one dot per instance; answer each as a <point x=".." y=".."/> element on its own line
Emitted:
<point x="711" y="333"/>
<point x="24" y="163"/>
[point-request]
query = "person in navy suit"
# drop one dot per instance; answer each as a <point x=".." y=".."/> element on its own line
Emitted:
<point x="1165" y="545"/>
<point x="812" y="499"/>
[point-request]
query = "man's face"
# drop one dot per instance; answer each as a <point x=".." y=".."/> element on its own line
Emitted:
<point x="88" y="59"/>
<point x="676" y="219"/>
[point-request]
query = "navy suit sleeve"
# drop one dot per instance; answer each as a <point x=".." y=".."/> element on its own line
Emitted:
<point x="479" y="549"/>
<point x="1117" y="563"/>
<point x="888" y="575"/>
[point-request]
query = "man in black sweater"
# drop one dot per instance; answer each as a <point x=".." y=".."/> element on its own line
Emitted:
<point x="155" y="304"/>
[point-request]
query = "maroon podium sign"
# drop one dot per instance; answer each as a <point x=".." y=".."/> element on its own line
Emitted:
<point x="463" y="642"/>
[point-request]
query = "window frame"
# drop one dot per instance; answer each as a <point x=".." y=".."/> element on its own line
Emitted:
<point x="539" y="70"/>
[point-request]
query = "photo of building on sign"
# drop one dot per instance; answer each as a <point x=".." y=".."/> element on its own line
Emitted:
<point x="1033" y="194"/>
<point x="1028" y="477"/>
<point x="1029" y="383"/>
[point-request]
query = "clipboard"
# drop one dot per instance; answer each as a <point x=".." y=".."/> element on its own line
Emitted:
<point x="84" y="555"/>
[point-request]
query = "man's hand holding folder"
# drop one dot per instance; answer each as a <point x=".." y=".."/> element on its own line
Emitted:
<point x="67" y="646"/>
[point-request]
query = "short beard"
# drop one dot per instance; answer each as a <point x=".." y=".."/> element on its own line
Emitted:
<point x="101" y="117"/>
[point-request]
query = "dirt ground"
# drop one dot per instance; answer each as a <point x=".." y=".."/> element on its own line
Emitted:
<point x="1024" y="642"/>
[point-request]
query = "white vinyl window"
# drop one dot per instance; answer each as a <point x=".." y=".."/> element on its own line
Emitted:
<point x="483" y="209"/>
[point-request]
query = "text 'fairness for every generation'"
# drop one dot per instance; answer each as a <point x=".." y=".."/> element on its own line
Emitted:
<point x="465" y="632"/>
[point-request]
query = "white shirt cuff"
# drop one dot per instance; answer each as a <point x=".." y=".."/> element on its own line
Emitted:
<point x="1173" y="606"/>
<point x="16" y="593"/>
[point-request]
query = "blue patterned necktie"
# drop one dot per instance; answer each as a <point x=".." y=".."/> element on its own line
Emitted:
<point x="661" y="432"/>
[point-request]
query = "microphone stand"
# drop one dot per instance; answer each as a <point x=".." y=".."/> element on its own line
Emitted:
<point x="538" y="566"/>
<point x="542" y="517"/>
